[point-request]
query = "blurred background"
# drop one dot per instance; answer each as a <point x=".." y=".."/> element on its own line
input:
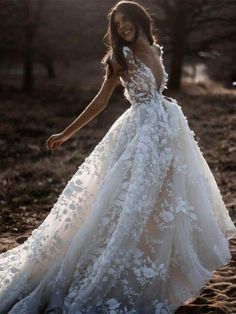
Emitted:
<point x="50" y="69"/>
<point x="62" y="40"/>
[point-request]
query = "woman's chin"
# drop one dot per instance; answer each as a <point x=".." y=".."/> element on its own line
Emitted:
<point x="128" y="39"/>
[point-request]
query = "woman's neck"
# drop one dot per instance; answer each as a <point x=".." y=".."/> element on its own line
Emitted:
<point x="141" y="44"/>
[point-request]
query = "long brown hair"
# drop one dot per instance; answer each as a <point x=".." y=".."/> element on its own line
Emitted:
<point x="140" y="19"/>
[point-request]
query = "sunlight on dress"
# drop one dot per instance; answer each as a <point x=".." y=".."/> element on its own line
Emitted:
<point x="140" y="226"/>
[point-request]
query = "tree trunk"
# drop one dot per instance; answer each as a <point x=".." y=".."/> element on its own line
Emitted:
<point x="179" y="36"/>
<point x="49" y="65"/>
<point x="32" y="11"/>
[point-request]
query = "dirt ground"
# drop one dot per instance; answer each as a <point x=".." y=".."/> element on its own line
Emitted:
<point x="31" y="177"/>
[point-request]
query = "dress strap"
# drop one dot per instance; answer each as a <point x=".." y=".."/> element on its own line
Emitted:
<point x="128" y="54"/>
<point x="160" y="49"/>
<point x="126" y="50"/>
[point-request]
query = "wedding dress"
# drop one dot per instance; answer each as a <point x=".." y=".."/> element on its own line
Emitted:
<point x="140" y="226"/>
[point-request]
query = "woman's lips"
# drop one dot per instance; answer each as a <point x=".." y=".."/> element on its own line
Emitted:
<point x="127" y="32"/>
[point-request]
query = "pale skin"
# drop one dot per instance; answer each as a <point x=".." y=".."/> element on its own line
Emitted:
<point x="148" y="54"/>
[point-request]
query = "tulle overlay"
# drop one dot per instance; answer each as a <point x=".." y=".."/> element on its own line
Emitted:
<point x="139" y="227"/>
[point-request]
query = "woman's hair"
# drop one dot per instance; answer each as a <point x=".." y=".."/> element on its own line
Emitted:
<point x="140" y="19"/>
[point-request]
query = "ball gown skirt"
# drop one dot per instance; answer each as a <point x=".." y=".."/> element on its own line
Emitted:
<point x="140" y="226"/>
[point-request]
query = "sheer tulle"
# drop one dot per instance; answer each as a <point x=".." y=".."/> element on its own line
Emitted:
<point x="140" y="226"/>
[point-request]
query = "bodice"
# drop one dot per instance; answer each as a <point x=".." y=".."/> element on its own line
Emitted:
<point x="139" y="83"/>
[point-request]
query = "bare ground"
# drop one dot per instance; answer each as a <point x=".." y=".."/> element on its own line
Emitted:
<point x="32" y="177"/>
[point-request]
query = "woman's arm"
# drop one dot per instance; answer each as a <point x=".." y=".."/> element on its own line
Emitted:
<point x="97" y="105"/>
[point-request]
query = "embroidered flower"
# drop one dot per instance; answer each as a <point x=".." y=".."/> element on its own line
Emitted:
<point x="167" y="216"/>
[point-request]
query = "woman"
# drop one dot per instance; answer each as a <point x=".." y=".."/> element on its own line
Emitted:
<point x="141" y="225"/>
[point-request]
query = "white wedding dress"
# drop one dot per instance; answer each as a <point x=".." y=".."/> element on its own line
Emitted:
<point x="140" y="226"/>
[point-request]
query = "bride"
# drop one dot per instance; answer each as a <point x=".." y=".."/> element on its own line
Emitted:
<point x="141" y="225"/>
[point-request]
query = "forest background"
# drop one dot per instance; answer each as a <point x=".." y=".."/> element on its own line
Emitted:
<point x="50" y="69"/>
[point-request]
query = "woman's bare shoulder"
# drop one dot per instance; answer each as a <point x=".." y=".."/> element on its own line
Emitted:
<point x="115" y="64"/>
<point x="113" y="67"/>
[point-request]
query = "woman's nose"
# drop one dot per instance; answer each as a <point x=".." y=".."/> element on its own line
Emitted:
<point x="122" y="26"/>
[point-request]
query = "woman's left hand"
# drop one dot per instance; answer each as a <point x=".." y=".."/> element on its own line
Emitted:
<point x="55" y="140"/>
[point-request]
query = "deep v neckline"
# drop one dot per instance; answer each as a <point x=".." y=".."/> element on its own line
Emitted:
<point x="150" y="70"/>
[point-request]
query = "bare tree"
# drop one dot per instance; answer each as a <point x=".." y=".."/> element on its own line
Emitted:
<point x="32" y="13"/>
<point x="20" y="21"/>
<point x="195" y="26"/>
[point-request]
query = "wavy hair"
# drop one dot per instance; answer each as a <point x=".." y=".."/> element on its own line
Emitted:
<point x="140" y="19"/>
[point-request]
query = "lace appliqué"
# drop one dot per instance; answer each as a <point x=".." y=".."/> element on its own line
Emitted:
<point x="130" y="231"/>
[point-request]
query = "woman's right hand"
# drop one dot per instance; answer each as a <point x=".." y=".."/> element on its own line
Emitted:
<point x="55" y="140"/>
